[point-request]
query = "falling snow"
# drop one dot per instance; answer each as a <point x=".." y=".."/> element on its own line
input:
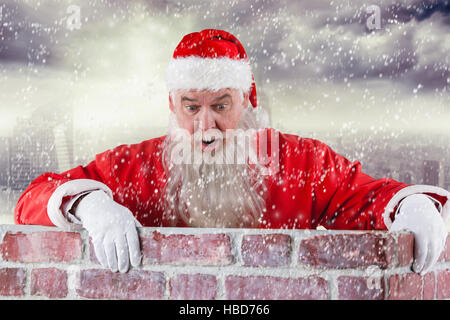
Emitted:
<point x="77" y="81"/>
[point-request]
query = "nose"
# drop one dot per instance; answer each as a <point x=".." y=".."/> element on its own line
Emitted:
<point x="205" y="120"/>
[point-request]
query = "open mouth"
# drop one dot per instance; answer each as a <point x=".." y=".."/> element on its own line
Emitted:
<point x="208" y="142"/>
<point x="209" y="145"/>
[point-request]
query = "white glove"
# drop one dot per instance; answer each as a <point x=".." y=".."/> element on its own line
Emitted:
<point x="418" y="214"/>
<point x="112" y="228"/>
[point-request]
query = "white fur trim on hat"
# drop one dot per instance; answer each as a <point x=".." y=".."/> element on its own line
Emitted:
<point x="71" y="188"/>
<point x="414" y="189"/>
<point x="208" y="73"/>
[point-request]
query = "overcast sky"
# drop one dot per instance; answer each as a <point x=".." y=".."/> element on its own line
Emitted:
<point x="318" y="67"/>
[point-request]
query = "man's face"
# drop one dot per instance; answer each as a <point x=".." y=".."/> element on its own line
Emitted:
<point x="205" y="110"/>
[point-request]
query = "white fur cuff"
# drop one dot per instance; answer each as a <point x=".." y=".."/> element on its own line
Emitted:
<point x="410" y="190"/>
<point x="71" y="188"/>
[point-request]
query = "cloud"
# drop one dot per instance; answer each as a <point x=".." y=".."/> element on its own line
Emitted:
<point x="308" y="41"/>
<point x="418" y="10"/>
<point x="22" y="40"/>
<point x="287" y="41"/>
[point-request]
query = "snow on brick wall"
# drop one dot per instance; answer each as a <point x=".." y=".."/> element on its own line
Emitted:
<point x="186" y="263"/>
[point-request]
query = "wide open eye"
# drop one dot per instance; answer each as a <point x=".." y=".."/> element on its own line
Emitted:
<point x="191" y="108"/>
<point x="220" y="107"/>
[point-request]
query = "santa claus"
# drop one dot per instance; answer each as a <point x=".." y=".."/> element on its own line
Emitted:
<point x="221" y="165"/>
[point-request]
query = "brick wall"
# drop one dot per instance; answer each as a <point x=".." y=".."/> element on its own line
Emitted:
<point x="43" y="262"/>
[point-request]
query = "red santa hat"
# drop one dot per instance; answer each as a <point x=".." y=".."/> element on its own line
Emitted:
<point x="211" y="59"/>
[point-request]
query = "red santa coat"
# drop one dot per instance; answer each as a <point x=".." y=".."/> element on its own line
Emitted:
<point x="313" y="186"/>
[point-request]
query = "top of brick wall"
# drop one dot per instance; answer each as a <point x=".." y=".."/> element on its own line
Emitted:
<point x="190" y="263"/>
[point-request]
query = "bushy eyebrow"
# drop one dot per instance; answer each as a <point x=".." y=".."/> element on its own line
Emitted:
<point x="226" y="95"/>
<point x="187" y="99"/>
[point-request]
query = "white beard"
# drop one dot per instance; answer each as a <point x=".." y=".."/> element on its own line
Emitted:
<point x="215" y="192"/>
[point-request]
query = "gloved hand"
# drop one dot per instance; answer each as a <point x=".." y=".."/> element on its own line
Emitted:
<point x="418" y="214"/>
<point x="112" y="228"/>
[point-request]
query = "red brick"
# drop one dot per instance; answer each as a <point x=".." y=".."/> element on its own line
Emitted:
<point x="361" y="288"/>
<point x="50" y="246"/>
<point x="443" y="284"/>
<point x="275" y="288"/>
<point x="339" y="251"/>
<point x="12" y="281"/>
<point x="135" y="284"/>
<point x="271" y="250"/>
<point x="49" y="282"/>
<point x="201" y="249"/>
<point x="405" y="249"/>
<point x="193" y="287"/>
<point x="407" y="286"/>
<point x="429" y="286"/>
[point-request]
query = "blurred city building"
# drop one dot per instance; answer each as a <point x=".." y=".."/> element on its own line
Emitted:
<point x="40" y="143"/>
